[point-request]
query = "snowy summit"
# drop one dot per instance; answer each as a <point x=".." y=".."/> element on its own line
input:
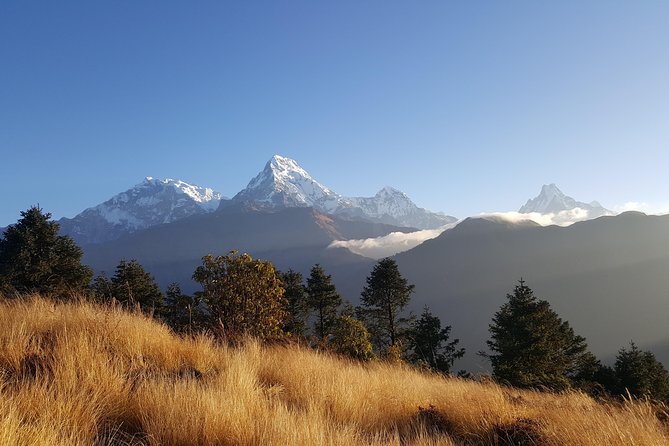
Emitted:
<point x="149" y="203"/>
<point x="551" y="200"/>
<point x="283" y="183"/>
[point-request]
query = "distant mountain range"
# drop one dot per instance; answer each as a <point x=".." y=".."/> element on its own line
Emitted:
<point x="282" y="184"/>
<point x="149" y="203"/>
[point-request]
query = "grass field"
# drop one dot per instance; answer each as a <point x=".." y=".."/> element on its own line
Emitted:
<point x="82" y="374"/>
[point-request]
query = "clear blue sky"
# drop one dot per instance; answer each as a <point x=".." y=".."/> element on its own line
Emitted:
<point x="468" y="106"/>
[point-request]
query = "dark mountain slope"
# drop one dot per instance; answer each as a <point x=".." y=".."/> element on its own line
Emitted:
<point x="292" y="238"/>
<point x="608" y="277"/>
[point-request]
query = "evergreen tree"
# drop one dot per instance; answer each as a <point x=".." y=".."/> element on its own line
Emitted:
<point x="35" y="259"/>
<point x="350" y="338"/>
<point x="243" y="295"/>
<point x="384" y="297"/>
<point x="531" y="346"/>
<point x="297" y="306"/>
<point x="132" y="285"/>
<point x="430" y="344"/>
<point x="323" y="298"/>
<point x="102" y="288"/>
<point x="640" y="374"/>
<point x="181" y="311"/>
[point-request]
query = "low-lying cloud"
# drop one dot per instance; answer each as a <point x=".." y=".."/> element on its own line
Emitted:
<point x="562" y="218"/>
<point x="396" y="242"/>
<point x="388" y="245"/>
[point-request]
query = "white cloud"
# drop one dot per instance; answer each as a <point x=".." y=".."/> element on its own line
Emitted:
<point x="397" y="242"/>
<point x="393" y="243"/>
<point x="562" y="218"/>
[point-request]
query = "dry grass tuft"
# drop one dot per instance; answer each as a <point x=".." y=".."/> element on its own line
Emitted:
<point x="78" y="373"/>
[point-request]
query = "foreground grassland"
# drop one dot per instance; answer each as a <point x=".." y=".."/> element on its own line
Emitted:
<point x="83" y="374"/>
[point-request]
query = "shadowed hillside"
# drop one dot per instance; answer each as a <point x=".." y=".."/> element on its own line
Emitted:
<point x="607" y="277"/>
<point x="84" y="374"/>
<point x="291" y="238"/>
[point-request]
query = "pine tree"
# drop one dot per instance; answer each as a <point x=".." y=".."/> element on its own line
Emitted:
<point x="102" y="288"/>
<point x="324" y="300"/>
<point x="430" y="344"/>
<point x="640" y="374"/>
<point x="244" y="296"/>
<point x="531" y="346"/>
<point x="35" y="259"/>
<point x="384" y="297"/>
<point x="132" y="285"/>
<point x="297" y="306"/>
<point x="181" y="311"/>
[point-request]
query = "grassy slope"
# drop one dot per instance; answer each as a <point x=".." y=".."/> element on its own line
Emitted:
<point x="81" y="374"/>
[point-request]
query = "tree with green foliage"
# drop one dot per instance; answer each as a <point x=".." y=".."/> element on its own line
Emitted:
<point x="384" y="298"/>
<point x="351" y="338"/>
<point x="531" y="346"/>
<point x="102" y="289"/>
<point x="34" y="258"/>
<point x="244" y="296"/>
<point x="297" y="305"/>
<point x="323" y="298"/>
<point x="132" y="285"/>
<point x="430" y="345"/>
<point x="181" y="311"/>
<point x="640" y="374"/>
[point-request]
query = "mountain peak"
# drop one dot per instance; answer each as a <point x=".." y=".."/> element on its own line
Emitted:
<point x="284" y="183"/>
<point x="149" y="203"/>
<point x="551" y="189"/>
<point x="552" y="200"/>
<point x="389" y="190"/>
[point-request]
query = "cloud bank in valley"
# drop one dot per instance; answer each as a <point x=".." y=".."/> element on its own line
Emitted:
<point x="397" y="242"/>
<point x="562" y="218"/>
<point x="388" y="245"/>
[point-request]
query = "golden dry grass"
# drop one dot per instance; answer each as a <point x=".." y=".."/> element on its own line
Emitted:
<point x="85" y="374"/>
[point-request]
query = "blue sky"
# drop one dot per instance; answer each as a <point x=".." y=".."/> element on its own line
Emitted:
<point x="468" y="107"/>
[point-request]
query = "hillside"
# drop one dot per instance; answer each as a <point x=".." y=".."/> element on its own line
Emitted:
<point x="84" y="374"/>
<point x="291" y="238"/>
<point x="607" y="277"/>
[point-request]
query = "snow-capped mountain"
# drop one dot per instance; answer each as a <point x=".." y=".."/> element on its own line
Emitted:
<point x="392" y="206"/>
<point x="551" y="200"/>
<point x="149" y="203"/>
<point x="283" y="183"/>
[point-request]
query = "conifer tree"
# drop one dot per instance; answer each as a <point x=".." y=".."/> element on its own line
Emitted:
<point x="431" y="345"/>
<point x="640" y="374"/>
<point x="297" y="306"/>
<point x="181" y="311"/>
<point x="384" y="298"/>
<point x="324" y="300"/>
<point x="132" y="285"/>
<point x="244" y="296"/>
<point x="102" y="288"/>
<point x="34" y="258"/>
<point x="531" y="346"/>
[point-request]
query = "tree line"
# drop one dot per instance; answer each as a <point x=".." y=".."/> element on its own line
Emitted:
<point x="530" y="346"/>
